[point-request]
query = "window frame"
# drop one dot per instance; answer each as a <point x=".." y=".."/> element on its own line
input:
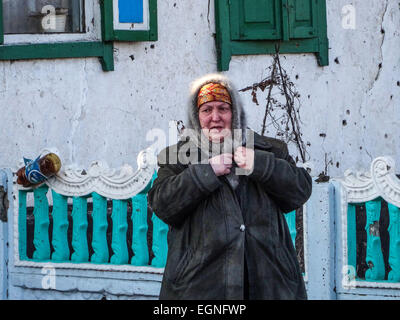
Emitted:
<point x="103" y="49"/>
<point x="111" y="34"/>
<point x="54" y="50"/>
<point x="226" y="47"/>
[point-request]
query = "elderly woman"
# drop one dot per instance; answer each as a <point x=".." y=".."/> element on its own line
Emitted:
<point x="228" y="237"/>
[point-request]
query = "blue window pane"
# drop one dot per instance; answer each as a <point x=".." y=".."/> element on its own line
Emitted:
<point x="130" y="11"/>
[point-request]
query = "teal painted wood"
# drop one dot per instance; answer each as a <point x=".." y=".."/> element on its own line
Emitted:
<point x="79" y="230"/>
<point x="394" y="243"/>
<point x="291" y="222"/>
<point x="99" y="240"/>
<point x="351" y="238"/>
<point x="41" y="239"/>
<point x="119" y="244"/>
<point x="222" y="37"/>
<point x="160" y="245"/>
<point x="374" y="256"/>
<point x="285" y="20"/>
<point x="60" y="227"/>
<point x="139" y="230"/>
<point x="22" y="235"/>
<point x="1" y="23"/>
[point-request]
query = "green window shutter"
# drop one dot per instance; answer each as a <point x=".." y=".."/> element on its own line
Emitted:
<point x="303" y="19"/>
<point x="1" y="23"/>
<point x="257" y="26"/>
<point x="255" y="19"/>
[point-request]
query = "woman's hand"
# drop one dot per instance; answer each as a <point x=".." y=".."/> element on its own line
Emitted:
<point x="221" y="164"/>
<point x="244" y="158"/>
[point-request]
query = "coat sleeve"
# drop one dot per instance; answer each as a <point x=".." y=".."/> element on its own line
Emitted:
<point x="287" y="184"/>
<point x="173" y="196"/>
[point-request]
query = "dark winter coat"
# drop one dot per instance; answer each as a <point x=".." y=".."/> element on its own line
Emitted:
<point x="214" y="227"/>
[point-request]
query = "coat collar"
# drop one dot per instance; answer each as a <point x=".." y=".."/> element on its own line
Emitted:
<point x="261" y="142"/>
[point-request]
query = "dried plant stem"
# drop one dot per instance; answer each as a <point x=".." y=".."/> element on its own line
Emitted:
<point x="271" y="85"/>
<point x="287" y="125"/>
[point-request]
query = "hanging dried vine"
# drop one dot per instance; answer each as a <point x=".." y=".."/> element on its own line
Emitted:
<point x="283" y="115"/>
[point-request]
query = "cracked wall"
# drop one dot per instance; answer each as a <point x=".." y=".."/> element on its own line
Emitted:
<point x="349" y="109"/>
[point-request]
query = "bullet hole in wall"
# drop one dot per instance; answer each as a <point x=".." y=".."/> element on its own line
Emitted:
<point x="337" y="164"/>
<point x="337" y="60"/>
<point x="297" y="76"/>
<point x="322" y="135"/>
<point x="347" y="111"/>
<point x="152" y="46"/>
<point x="132" y="57"/>
<point x="386" y="135"/>
<point x="344" y="123"/>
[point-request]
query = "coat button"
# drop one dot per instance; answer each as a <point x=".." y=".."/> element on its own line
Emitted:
<point x="242" y="227"/>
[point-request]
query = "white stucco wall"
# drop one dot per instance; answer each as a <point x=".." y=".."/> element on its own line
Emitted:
<point x="89" y="114"/>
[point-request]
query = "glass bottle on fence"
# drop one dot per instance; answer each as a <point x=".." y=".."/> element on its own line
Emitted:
<point x="37" y="171"/>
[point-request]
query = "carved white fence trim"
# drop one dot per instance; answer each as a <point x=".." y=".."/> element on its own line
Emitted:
<point x="380" y="181"/>
<point x="121" y="183"/>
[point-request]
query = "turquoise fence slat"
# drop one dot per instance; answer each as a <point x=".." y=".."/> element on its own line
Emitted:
<point x="99" y="240"/>
<point x="291" y="222"/>
<point x="160" y="245"/>
<point x="79" y="230"/>
<point x="60" y="227"/>
<point x="41" y="239"/>
<point x="22" y="232"/>
<point x="119" y="229"/>
<point x="394" y="243"/>
<point x="374" y="256"/>
<point x="351" y="238"/>
<point x="139" y="230"/>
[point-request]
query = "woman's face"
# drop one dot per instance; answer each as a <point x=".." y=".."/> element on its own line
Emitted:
<point x="215" y="120"/>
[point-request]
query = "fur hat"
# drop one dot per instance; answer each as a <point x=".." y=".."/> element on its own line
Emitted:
<point x="238" y="115"/>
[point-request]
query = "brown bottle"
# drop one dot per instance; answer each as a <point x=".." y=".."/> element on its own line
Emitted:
<point x="38" y="170"/>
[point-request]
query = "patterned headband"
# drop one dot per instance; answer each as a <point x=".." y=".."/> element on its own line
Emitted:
<point x="213" y="92"/>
